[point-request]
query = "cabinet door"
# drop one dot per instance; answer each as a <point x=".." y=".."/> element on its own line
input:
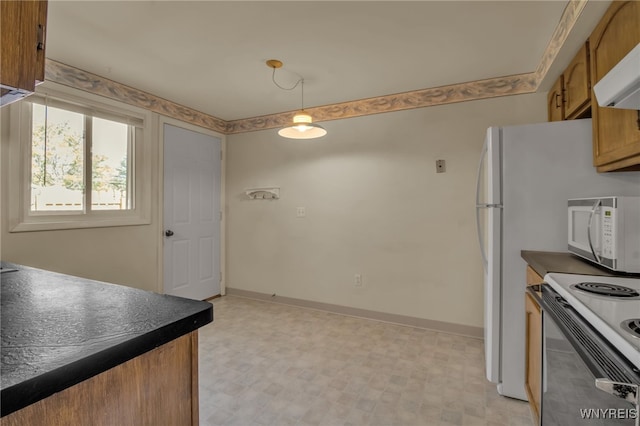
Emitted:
<point x="18" y="31"/>
<point x="616" y="132"/>
<point x="132" y="393"/>
<point x="577" y="90"/>
<point x="22" y="30"/>
<point x="533" y="370"/>
<point x="555" y="101"/>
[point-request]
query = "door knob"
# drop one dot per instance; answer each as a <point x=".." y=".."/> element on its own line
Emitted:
<point x="168" y="233"/>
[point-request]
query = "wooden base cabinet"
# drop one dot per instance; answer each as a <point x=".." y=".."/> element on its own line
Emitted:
<point x="159" y="387"/>
<point x="533" y="350"/>
<point x="616" y="132"/>
<point x="534" y="355"/>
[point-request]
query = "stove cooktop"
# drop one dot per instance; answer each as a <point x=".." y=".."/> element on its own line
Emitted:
<point x="610" y="304"/>
<point x="607" y="290"/>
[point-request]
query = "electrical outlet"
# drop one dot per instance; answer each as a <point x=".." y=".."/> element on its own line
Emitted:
<point x="441" y="166"/>
<point x="301" y="212"/>
<point x="357" y="281"/>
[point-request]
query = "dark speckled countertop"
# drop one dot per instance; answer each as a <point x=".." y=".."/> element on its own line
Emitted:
<point x="58" y="330"/>
<point x="544" y="262"/>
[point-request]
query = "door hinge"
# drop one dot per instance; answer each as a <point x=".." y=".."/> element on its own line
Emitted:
<point x="220" y="215"/>
<point x="220" y="276"/>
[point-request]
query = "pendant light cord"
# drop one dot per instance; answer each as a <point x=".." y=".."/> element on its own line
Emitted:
<point x="300" y="81"/>
<point x="273" y="78"/>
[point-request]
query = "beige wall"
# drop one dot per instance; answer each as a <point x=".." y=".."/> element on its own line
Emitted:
<point x="123" y="255"/>
<point x="374" y="206"/>
<point x="374" y="203"/>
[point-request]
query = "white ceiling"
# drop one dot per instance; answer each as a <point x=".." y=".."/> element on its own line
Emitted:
<point x="210" y="55"/>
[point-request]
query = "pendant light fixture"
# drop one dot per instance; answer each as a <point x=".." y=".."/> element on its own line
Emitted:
<point x="302" y="126"/>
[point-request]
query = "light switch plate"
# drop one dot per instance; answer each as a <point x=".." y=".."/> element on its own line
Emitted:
<point x="441" y="166"/>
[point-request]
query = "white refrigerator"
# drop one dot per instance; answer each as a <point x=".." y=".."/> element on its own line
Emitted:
<point x="525" y="177"/>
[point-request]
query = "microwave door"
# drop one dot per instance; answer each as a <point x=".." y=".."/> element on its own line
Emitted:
<point x="584" y="222"/>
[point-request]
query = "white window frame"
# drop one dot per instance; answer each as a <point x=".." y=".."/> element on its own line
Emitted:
<point x="22" y="219"/>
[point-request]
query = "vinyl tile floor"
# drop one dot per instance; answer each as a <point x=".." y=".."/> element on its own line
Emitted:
<point x="265" y="363"/>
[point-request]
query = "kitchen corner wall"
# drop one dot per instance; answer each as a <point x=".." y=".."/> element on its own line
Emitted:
<point x="374" y="205"/>
<point x="126" y="255"/>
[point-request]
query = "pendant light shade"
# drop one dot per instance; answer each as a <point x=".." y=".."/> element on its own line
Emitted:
<point x="302" y="127"/>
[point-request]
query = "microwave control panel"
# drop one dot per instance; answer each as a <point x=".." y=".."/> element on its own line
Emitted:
<point x="608" y="231"/>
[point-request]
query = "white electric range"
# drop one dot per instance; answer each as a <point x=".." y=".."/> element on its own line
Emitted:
<point x="610" y="304"/>
<point x="591" y="350"/>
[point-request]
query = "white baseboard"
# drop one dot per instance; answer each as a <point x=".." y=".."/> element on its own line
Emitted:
<point x="440" y="326"/>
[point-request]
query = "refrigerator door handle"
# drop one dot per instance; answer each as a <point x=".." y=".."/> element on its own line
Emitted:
<point x="485" y="262"/>
<point x="480" y="164"/>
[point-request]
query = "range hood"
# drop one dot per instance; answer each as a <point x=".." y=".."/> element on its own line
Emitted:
<point x="620" y="87"/>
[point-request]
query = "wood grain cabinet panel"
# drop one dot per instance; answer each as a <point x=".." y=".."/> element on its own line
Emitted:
<point x="533" y="350"/>
<point x="616" y="132"/>
<point x="533" y="277"/>
<point x="159" y="387"/>
<point x="22" y="41"/>
<point x="555" y="101"/>
<point x="533" y="371"/>
<point x="570" y="96"/>
<point x="577" y="87"/>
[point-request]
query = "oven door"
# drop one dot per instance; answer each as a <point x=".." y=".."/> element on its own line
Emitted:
<point x="574" y="356"/>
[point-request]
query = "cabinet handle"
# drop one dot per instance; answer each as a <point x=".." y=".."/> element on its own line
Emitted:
<point x="557" y="96"/>
<point x="40" y="45"/>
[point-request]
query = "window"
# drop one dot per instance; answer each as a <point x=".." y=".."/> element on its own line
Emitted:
<point x="79" y="162"/>
<point x="83" y="165"/>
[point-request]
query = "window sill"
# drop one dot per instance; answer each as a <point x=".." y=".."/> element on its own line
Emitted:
<point x="72" y="221"/>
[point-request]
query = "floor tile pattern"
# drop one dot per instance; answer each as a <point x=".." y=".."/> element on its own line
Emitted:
<point x="265" y="363"/>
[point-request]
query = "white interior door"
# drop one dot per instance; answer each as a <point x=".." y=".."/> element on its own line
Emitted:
<point x="192" y="185"/>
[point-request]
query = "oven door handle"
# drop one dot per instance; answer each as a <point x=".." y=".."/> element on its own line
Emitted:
<point x="626" y="391"/>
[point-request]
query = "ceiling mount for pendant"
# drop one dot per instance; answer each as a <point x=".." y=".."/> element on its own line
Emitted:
<point x="274" y="63"/>
<point x="302" y="126"/>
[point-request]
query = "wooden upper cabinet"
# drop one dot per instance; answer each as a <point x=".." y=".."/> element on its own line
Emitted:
<point x="616" y="132"/>
<point x="555" y="101"/>
<point x="577" y="87"/>
<point x="22" y="42"/>
<point x="570" y="96"/>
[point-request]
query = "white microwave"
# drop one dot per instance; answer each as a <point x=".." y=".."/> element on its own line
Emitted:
<point x="606" y="231"/>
